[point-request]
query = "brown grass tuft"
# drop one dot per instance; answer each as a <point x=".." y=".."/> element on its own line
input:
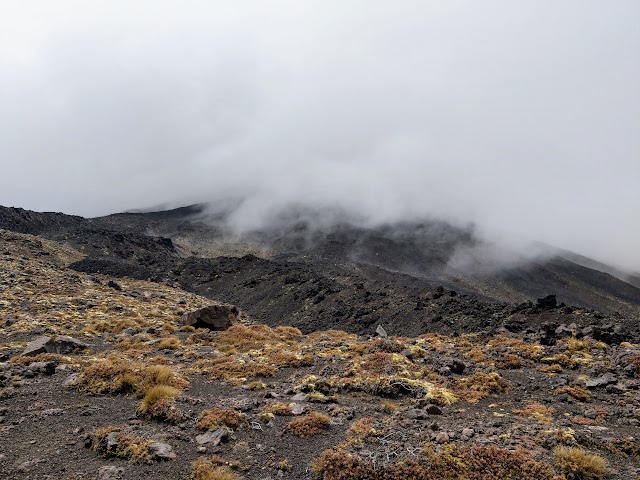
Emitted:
<point x="219" y="417"/>
<point x="157" y="401"/>
<point x="578" y="464"/>
<point x="311" y="424"/>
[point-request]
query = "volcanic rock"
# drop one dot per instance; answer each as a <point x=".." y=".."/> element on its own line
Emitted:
<point x="214" y="317"/>
<point x="162" y="451"/>
<point x="213" y="437"/>
<point x="61" y="345"/>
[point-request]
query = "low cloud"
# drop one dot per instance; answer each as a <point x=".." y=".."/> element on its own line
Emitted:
<point x="522" y="119"/>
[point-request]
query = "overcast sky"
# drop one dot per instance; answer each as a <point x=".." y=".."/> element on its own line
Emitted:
<point x="523" y="116"/>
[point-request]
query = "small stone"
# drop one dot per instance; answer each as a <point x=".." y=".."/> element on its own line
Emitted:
<point x="213" y="437"/>
<point x="162" y="451"/>
<point x="47" y="368"/>
<point x="433" y="409"/>
<point x="299" y="397"/>
<point x="416" y="414"/>
<point x="110" y="472"/>
<point x="442" y="437"/>
<point x="114" y="285"/>
<point x="467" y="433"/>
<point x="202" y="449"/>
<point x="298" y="409"/>
<point x="381" y="331"/>
<point x="71" y="380"/>
<point x="601" y="381"/>
<point x="112" y="440"/>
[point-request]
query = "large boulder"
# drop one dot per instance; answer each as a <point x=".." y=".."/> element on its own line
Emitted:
<point x="61" y="344"/>
<point x="213" y="317"/>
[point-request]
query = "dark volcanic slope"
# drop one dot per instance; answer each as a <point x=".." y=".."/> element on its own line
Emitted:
<point x="343" y="277"/>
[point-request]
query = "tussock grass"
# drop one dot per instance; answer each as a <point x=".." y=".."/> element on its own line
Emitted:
<point x="578" y="464"/>
<point x="311" y="424"/>
<point x="157" y="401"/>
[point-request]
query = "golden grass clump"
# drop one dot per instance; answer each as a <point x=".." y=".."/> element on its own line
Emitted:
<point x="538" y="412"/>
<point x="155" y="375"/>
<point x="169" y="343"/>
<point x="509" y="361"/>
<point x="281" y="409"/>
<point x="112" y="375"/>
<point x="219" y="417"/>
<point x="364" y="427"/>
<point x="235" y="369"/>
<point x="308" y="425"/>
<point x="480" y="385"/>
<point x="476" y="463"/>
<point x="157" y="401"/>
<point x="578" y="464"/>
<point x="575" y="391"/>
<point x="211" y="469"/>
<point x="243" y="339"/>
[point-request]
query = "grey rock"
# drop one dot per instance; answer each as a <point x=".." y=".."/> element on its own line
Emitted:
<point x="442" y="437"/>
<point x="213" y="437"/>
<point x="162" y="451"/>
<point x="381" y="332"/>
<point x="299" y="397"/>
<point x="112" y="440"/>
<point x="467" y="433"/>
<point x="47" y="368"/>
<point x="61" y="345"/>
<point x="114" y="285"/>
<point x="601" y="381"/>
<point x="298" y="409"/>
<point x="110" y="472"/>
<point x="38" y="346"/>
<point x="72" y="380"/>
<point x="416" y="414"/>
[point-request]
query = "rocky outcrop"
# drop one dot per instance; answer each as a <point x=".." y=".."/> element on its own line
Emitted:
<point x="61" y="344"/>
<point x="213" y="317"/>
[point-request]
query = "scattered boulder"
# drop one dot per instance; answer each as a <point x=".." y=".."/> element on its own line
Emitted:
<point x="214" y="317"/>
<point x="433" y="409"/>
<point x="110" y="472"/>
<point x="162" y="451"/>
<point x="38" y="346"/>
<point x="610" y="334"/>
<point x="547" y="303"/>
<point x="46" y="368"/>
<point x="416" y="414"/>
<point x="467" y="433"/>
<point x="298" y="409"/>
<point x="61" y="344"/>
<point x="601" y="381"/>
<point x="381" y="332"/>
<point x="213" y="437"/>
<point x="114" y="285"/>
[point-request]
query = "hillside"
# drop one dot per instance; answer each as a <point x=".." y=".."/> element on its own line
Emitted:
<point x="277" y="384"/>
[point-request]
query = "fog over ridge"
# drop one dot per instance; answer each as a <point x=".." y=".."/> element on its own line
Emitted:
<point x="521" y="118"/>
